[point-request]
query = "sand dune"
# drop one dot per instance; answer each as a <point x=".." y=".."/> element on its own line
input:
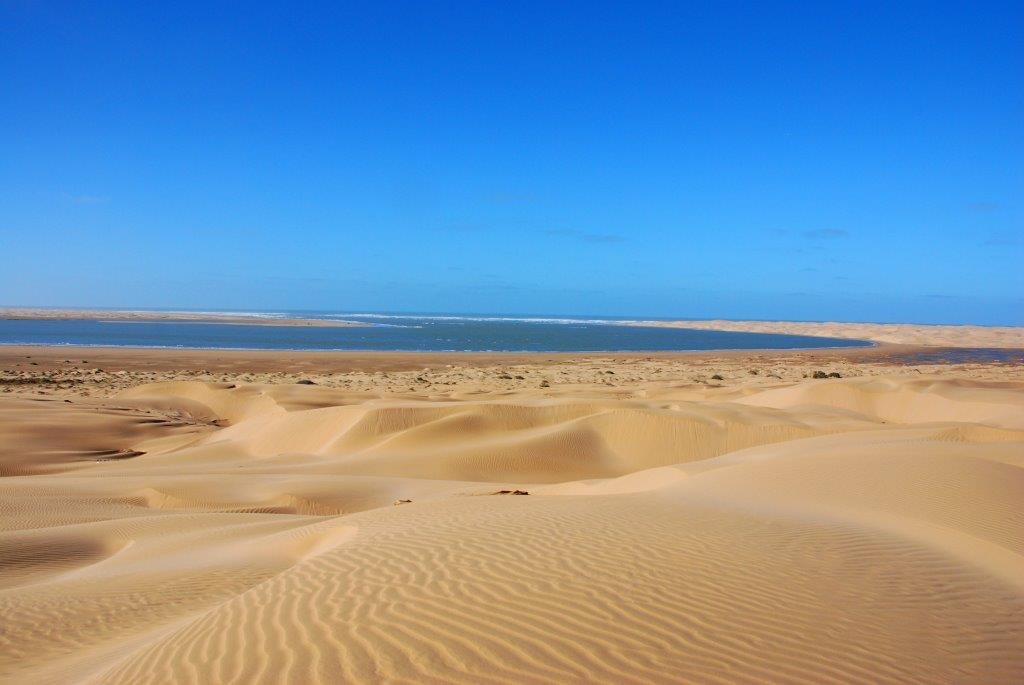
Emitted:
<point x="907" y="400"/>
<point x="847" y="530"/>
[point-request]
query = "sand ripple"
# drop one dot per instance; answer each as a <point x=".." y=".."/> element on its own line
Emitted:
<point x="856" y="530"/>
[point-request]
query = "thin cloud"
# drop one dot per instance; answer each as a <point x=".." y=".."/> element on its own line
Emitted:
<point x="299" y="280"/>
<point x="586" y="237"/>
<point x="87" y="199"/>
<point x="983" y="207"/>
<point x="825" y="234"/>
<point x="1004" y="241"/>
<point x="602" y="238"/>
<point x="510" y="198"/>
<point x="466" y="227"/>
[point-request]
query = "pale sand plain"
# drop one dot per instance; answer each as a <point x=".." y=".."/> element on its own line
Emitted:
<point x="202" y="517"/>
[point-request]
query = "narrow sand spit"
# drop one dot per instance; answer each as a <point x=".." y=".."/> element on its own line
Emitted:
<point x="896" y="333"/>
<point x="229" y="525"/>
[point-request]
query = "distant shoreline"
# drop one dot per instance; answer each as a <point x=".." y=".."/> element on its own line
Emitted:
<point x="324" y="360"/>
<point x="145" y="316"/>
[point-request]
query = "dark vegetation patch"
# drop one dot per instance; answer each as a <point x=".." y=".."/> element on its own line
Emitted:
<point x="39" y="380"/>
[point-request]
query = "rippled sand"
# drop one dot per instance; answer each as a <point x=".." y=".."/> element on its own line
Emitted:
<point x="209" y="519"/>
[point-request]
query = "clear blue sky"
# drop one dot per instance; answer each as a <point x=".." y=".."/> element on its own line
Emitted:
<point x="776" y="160"/>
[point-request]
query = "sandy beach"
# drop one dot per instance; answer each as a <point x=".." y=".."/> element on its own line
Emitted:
<point x="248" y="517"/>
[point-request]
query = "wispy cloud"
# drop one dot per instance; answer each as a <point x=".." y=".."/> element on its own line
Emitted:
<point x="825" y="234"/>
<point x="573" y="234"/>
<point x="298" y="280"/>
<point x="466" y="227"/>
<point x="86" y="199"/>
<point x="510" y="198"/>
<point x="983" y="207"/>
<point x="1004" y="241"/>
<point x="586" y="237"/>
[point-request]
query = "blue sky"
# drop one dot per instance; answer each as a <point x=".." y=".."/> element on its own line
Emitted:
<point x="771" y="160"/>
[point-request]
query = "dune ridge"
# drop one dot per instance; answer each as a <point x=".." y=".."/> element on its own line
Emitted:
<point x="864" y="529"/>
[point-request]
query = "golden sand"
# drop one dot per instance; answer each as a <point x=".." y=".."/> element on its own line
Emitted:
<point x="204" y="517"/>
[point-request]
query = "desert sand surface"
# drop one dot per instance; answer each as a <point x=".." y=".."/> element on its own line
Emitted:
<point x="146" y="316"/>
<point x="213" y="517"/>
<point x="897" y="333"/>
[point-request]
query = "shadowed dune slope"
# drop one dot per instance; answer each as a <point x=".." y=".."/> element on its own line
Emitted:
<point x="525" y="439"/>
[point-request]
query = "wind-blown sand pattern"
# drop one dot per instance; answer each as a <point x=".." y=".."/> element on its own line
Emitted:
<point x="757" y="527"/>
